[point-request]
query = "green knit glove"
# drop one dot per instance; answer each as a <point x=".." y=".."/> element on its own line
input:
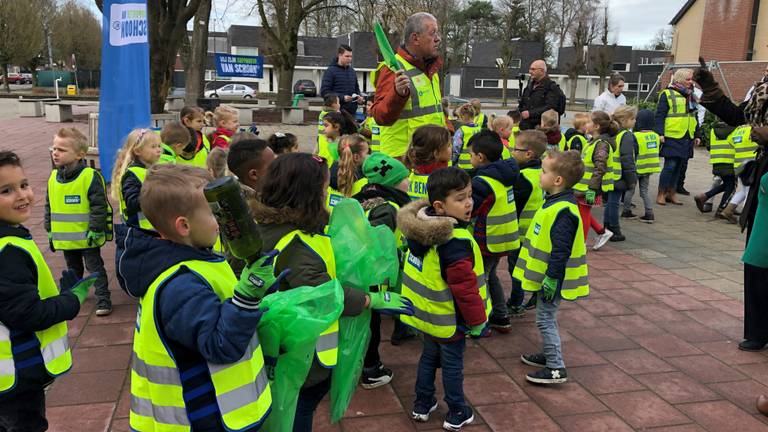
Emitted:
<point x="589" y="196"/>
<point x="79" y="287"/>
<point x="549" y="288"/>
<point x="95" y="238"/>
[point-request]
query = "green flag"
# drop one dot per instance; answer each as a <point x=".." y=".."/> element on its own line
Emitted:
<point x="386" y="49"/>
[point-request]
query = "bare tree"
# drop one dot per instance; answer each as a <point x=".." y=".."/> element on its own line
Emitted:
<point x="511" y="12"/>
<point x="582" y="34"/>
<point x="603" y="59"/>
<point x="662" y="40"/>
<point x="195" y="61"/>
<point x="21" y="35"/>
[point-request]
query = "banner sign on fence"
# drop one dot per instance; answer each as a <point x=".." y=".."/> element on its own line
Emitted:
<point x="231" y="65"/>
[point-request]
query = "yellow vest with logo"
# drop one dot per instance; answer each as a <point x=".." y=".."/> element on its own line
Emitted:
<point x="423" y="283"/>
<point x="334" y="196"/>
<point x="679" y="121"/>
<point x="535" y="200"/>
<point x="54" y="345"/>
<point x="423" y="107"/>
<point x="721" y="151"/>
<point x="141" y="174"/>
<point x="464" y="157"/>
<point x="157" y="397"/>
<point x="589" y="170"/>
<point x="71" y="211"/>
<point x="417" y="186"/>
<point x="577" y="137"/>
<point x="375" y="140"/>
<point x="501" y="229"/>
<point x="322" y="141"/>
<point x="534" y="257"/>
<point x="648" y="161"/>
<point x="479" y="120"/>
<point x="327" y="346"/>
<point x="743" y="146"/>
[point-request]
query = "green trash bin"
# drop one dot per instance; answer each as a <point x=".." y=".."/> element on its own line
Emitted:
<point x="296" y="99"/>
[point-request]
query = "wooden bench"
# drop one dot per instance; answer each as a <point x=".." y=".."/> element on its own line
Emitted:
<point x="245" y="113"/>
<point x="33" y="107"/>
<point x="61" y="111"/>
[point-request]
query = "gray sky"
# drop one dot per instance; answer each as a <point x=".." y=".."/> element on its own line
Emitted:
<point x="633" y="22"/>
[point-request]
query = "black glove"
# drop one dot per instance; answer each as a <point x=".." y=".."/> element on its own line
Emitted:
<point x="710" y="88"/>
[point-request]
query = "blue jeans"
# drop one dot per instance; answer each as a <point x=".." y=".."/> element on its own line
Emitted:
<point x="450" y="357"/>
<point x="517" y="295"/>
<point x="546" y="321"/>
<point x="670" y="174"/>
<point x="309" y="399"/>
<point x="611" y="209"/>
<point x="499" y="309"/>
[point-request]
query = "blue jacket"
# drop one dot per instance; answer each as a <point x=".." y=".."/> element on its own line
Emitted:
<point x="341" y="81"/>
<point x="195" y="325"/>
<point x="562" y="234"/>
<point x="506" y="172"/>
<point x="672" y="147"/>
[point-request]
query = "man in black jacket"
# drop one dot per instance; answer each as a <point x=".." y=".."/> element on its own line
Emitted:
<point x="541" y="94"/>
<point x="341" y="79"/>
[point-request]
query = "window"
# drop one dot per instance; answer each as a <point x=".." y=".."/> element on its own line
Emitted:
<point x="248" y="51"/>
<point x="217" y="44"/>
<point x="487" y="83"/>
<point x="300" y="48"/>
<point x="228" y="87"/>
<point x="632" y="87"/>
<point x="515" y="63"/>
<point x="620" y="67"/>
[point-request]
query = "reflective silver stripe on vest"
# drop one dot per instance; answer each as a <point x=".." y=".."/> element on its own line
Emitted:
<point x="426" y="293"/>
<point x="435" y="319"/>
<point x="528" y="214"/>
<point x="156" y="374"/>
<point x="499" y="220"/>
<point x="161" y="414"/>
<point x="5" y="334"/>
<point x="570" y="284"/>
<point x="70" y="217"/>
<point x="327" y="342"/>
<point x="504" y="238"/>
<point x="646" y="157"/>
<point x="540" y="255"/>
<point x="719" y="146"/>
<point x="243" y="395"/>
<point x="69" y="236"/>
<point x="416" y="109"/>
<point x="55" y="349"/>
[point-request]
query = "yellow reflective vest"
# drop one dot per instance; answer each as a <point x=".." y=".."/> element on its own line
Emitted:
<point x="200" y="156"/>
<point x="480" y="120"/>
<point x="534" y="257"/>
<point x="141" y="174"/>
<point x="561" y="144"/>
<point x="501" y="230"/>
<point x="327" y="346"/>
<point x="577" y="137"/>
<point x="375" y="129"/>
<point x="157" y="396"/>
<point x="589" y="169"/>
<point x="423" y="107"/>
<point x="423" y="283"/>
<point x="721" y="151"/>
<point x="322" y="141"/>
<point x="679" y="122"/>
<point x="333" y="197"/>
<point x="743" y="146"/>
<point x="71" y="211"/>
<point x="468" y="132"/>
<point x="648" y="145"/>
<point x="417" y="186"/>
<point x="535" y="200"/>
<point x="54" y="345"/>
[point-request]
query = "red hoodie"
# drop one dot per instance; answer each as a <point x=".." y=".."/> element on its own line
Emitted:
<point x="218" y="138"/>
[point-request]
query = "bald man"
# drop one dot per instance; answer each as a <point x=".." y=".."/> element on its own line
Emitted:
<point x="541" y="94"/>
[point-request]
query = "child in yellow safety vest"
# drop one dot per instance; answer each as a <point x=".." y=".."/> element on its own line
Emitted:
<point x="227" y="121"/>
<point x="464" y="132"/>
<point x="369" y="129"/>
<point x="197" y="149"/>
<point x="140" y="151"/>
<point x="494" y="215"/>
<point x="722" y="157"/>
<point x="745" y="151"/>
<point x="330" y="104"/>
<point x="444" y="278"/>
<point x="336" y="124"/>
<point x="292" y="218"/>
<point x="34" y="348"/>
<point x="553" y="261"/>
<point x="503" y="126"/>
<point x="648" y="162"/>
<point x="346" y="174"/>
<point x="78" y="216"/>
<point x="177" y="145"/>
<point x="428" y="151"/>
<point x="576" y="137"/>
<point x="195" y="336"/>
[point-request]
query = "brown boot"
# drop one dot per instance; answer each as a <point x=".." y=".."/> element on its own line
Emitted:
<point x="661" y="197"/>
<point x="728" y="215"/>
<point x="672" y="197"/>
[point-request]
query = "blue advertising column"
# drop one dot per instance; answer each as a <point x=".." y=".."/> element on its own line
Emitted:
<point x="124" y="93"/>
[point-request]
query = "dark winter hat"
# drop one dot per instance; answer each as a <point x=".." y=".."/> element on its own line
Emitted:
<point x="645" y="120"/>
<point x="381" y="169"/>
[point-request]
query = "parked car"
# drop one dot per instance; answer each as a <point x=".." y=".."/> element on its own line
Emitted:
<point x="305" y="87"/>
<point x="14" y="78"/>
<point x="231" y="91"/>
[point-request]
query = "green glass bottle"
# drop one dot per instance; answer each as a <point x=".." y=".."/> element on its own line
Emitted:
<point x="235" y="220"/>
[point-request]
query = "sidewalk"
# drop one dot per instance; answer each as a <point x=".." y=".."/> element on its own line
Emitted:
<point x="652" y="348"/>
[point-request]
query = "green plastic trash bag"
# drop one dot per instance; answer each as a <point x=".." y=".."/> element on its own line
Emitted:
<point x="288" y="332"/>
<point x="365" y="255"/>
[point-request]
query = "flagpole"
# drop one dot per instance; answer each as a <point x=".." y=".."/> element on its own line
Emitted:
<point x="74" y="65"/>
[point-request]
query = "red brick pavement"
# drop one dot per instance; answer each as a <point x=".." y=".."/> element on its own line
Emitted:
<point x="647" y="349"/>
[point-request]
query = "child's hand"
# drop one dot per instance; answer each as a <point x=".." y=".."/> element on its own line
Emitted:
<point x="549" y="288"/>
<point x="50" y="242"/>
<point x="258" y="279"/>
<point x="590" y="196"/>
<point x="95" y="238"/>
<point x="478" y="331"/>
<point x="390" y="303"/>
<point x="79" y="287"/>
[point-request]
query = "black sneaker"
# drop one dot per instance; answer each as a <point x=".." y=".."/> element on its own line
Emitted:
<point x="531" y="303"/>
<point x="647" y="218"/>
<point x="516" y="311"/>
<point x="707" y="207"/>
<point x="500" y="324"/>
<point x="455" y="420"/>
<point x="749" y="345"/>
<point x="683" y="191"/>
<point x="421" y="412"/>
<point x="627" y="214"/>
<point x="538" y="359"/>
<point x="376" y="376"/>
<point x="103" y="307"/>
<point x="548" y="376"/>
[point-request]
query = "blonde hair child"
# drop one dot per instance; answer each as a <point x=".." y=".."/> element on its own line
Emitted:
<point x="353" y="150"/>
<point x="462" y="136"/>
<point x="141" y="150"/>
<point x="226" y="119"/>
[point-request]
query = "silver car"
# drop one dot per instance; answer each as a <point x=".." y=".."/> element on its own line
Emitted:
<point x="231" y="91"/>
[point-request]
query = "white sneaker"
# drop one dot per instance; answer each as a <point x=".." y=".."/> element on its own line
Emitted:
<point x="602" y="239"/>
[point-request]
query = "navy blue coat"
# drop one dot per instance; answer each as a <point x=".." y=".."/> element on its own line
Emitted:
<point x="562" y="234"/>
<point x="341" y="81"/>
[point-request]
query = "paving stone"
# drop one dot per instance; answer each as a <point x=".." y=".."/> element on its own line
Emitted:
<point x="633" y="325"/>
<point x="696" y="273"/>
<point x="575" y="353"/>
<point x="408" y="353"/>
<point x="605" y="339"/>
<point x="674" y="280"/>
<point x="477" y="360"/>
<point x="734" y="308"/>
<point x="653" y="288"/>
<point x="509" y="417"/>
<point x="116" y="357"/>
<point x="676" y="387"/>
<point x="86" y="388"/>
<point x="706" y="369"/>
<point x="637" y="361"/>
<point x="756" y="371"/>
<point x="606" y="283"/>
<point x="742" y="393"/>
<point x="489" y="389"/>
<point x="627" y="275"/>
<point x="715" y="319"/>
<point x="703" y="293"/>
<point x="691" y="331"/>
<point x="510" y="345"/>
<point x="680" y="428"/>
<point x="106" y="334"/>
<point x="564" y="400"/>
<point x="666" y="345"/>
<point x="80" y="418"/>
<point x="643" y="409"/>
<point x="629" y="296"/>
<point x="603" y="379"/>
<point x="721" y="416"/>
<point x="603" y="307"/>
<point x="579" y="318"/>
<point x="120" y="425"/>
<point x="385" y="423"/>
<point x="658" y="312"/>
<point x="602" y="422"/>
<point x="723" y="285"/>
<point x="682" y="302"/>
<point x="381" y="400"/>
<point x="668" y="263"/>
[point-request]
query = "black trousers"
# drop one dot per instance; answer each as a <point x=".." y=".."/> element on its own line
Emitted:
<point x="372" y="354"/>
<point x="755" y="303"/>
<point x="683" y="169"/>
<point x="89" y="259"/>
<point x="25" y="413"/>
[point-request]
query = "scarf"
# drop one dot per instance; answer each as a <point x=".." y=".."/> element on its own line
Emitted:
<point x="755" y="111"/>
<point x="690" y="102"/>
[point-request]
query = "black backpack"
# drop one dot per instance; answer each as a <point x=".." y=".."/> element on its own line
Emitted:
<point x="561" y="99"/>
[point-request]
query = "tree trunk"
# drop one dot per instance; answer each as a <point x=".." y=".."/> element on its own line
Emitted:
<point x="195" y="83"/>
<point x="6" y="84"/>
<point x="504" y="71"/>
<point x="574" y="80"/>
<point x="160" y="67"/>
<point x="284" y="84"/>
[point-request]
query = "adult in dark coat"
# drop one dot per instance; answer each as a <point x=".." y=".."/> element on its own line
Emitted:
<point x="341" y="79"/>
<point x="538" y="96"/>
